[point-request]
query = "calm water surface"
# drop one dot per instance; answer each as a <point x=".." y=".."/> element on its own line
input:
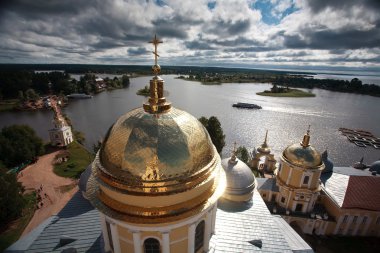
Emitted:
<point x="285" y="118"/>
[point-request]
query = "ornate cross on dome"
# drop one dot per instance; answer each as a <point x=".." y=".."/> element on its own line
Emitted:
<point x="155" y="41"/>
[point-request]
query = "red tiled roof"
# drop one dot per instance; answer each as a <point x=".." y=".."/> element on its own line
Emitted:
<point x="363" y="192"/>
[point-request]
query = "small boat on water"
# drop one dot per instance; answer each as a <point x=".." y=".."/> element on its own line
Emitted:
<point x="360" y="144"/>
<point x="79" y="95"/>
<point x="246" y="105"/>
<point x="376" y="146"/>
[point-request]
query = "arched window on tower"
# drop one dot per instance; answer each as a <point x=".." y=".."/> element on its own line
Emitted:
<point x="152" y="245"/>
<point x="199" y="236"/>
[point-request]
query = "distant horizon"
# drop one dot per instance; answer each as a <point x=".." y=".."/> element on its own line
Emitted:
<point x="373" y="71"/>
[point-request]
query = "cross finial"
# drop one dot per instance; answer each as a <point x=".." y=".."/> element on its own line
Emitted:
<point x="308" y="130"/>
<point x="155" y="41"/>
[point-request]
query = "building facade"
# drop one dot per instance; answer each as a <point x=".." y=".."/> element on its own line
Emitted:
<point x="342" y="202"/>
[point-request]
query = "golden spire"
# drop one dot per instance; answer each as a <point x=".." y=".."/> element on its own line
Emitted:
<point x="265" y="140"/>
<point x="156" y="102"/>
<point x="306" y="139"/>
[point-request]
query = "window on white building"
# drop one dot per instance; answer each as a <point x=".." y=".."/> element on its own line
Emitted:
<point x="364" y="220"/>
<point x="354" y="220"/>
<point x="345" y="219"/>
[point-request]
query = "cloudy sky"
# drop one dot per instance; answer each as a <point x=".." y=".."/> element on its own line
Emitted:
<point x="249" y="33"/>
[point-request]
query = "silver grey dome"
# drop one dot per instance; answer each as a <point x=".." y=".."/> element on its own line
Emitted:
<point x="240" y="179"/>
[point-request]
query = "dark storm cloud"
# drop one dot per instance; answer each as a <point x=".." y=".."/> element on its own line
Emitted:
<point x="137" y="51"/>
<point x="239" y="27"/>
<point x="169" y="28"/>
<point x="320" y="5"/>
<point x="334" y="39"/>
<point x="228" y="27"/>
<point x="239" y="41"/>
<point x="337" y="51"/>
<point x="105" y="43"/>
<point x="198" y="45"/>
<point x="251" y="49"/>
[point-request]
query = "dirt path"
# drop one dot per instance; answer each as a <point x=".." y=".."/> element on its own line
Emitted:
<point x="49" y="186"/>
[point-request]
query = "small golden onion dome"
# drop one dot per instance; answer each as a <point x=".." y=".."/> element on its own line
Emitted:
<point x="302" y="154"/>
<point x="264" y="148"/>
<point x="307" y="157"/>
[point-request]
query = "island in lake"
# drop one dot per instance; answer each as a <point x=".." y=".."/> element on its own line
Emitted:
<point x="278" y="91"/>
<point x="144" y="91"/>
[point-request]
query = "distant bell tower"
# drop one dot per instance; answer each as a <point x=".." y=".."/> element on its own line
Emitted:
<point x="61" y="134"/>
<point x="262" y="159"/>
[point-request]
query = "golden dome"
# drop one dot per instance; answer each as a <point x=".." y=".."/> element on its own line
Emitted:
<point x="302" y="154"/>
<point x="156" y="153"/>
<point x="157" y="164"/>
<point x="307" y="157"/>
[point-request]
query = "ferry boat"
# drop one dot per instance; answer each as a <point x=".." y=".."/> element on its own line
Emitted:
<point x="79" y="95"/>
<point x="246" y="105"/>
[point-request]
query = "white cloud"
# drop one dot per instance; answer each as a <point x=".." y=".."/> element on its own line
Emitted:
<point x="97" y="31"/>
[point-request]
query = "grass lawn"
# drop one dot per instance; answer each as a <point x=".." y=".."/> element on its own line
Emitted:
<point x="7" y="105"/>
<point x="79" y="159"/>
<point x="292" y="93"/>
<point x="15" y="229"/>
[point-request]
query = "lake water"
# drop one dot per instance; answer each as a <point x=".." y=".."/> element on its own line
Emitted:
<point x="286" y="118"/>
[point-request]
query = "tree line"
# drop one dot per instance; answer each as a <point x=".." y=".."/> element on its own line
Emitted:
<point x="28" y="84"/>
<point x="353" y="86"/>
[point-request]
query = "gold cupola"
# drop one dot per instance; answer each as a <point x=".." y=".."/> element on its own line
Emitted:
<point x="157" y="163"/>
<point x="264" y="148"/>
<point x="303" y="154"/>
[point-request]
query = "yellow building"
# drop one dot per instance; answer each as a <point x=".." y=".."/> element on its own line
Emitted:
<point x="342" y="201"/>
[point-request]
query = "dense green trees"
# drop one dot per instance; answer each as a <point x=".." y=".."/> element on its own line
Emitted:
<point x="215" y="131"/>
<point x="353" y="86"/>
<point x="18" y="144"/>
<point x="242" y="154"/>
<point x="11" y="199"/>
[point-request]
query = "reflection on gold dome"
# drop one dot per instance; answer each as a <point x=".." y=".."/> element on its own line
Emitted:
<point x="143" y="151"/>
<point x="307" y="157"/>
<point x="303" y="154"/>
